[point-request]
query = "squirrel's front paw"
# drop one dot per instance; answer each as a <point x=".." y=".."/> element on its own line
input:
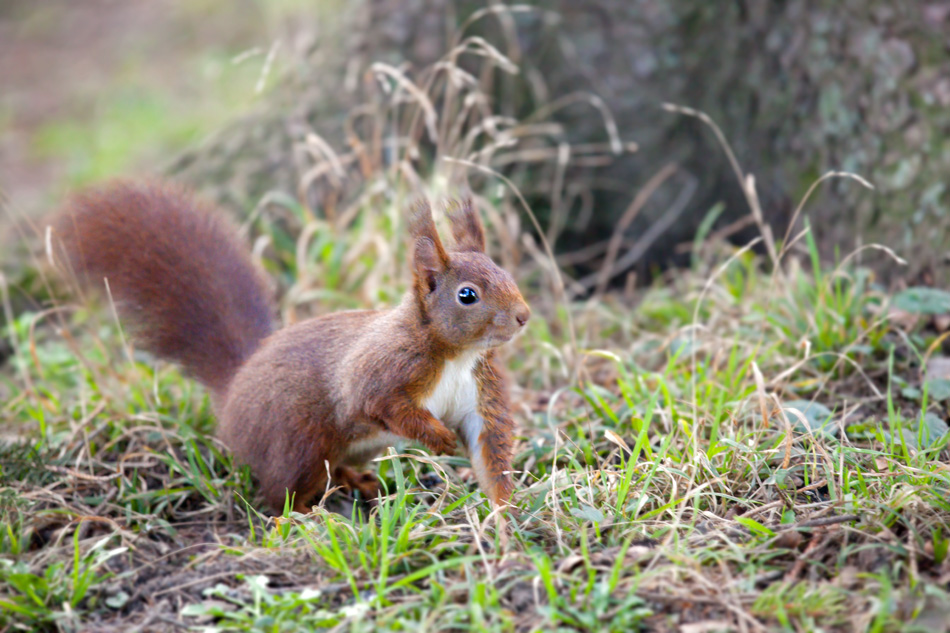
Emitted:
<point x="441" y="440"/>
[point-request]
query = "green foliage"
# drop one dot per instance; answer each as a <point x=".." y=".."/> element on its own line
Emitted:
<point x="804" y="604"/>
<point x="265" y="610"/>
<point x="61" y="593"/>
<point x="830" y="313"/>
<point x="679" y="458"/>
<point x="677" y="450"/>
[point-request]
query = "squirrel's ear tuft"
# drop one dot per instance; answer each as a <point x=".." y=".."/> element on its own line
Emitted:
<point x="429" y="259"/>
<point x="421" y="223"/>
<point x="429" y="262"/>
<point x="467" y="227"/>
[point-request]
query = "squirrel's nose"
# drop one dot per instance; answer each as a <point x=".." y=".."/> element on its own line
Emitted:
<point x="522" y="315"/>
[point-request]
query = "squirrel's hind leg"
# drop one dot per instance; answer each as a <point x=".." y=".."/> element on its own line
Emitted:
<point x="308" y="461"/>
<point x="366" y="482"/>
<point x="311" y="487"/>
<point x="305" y="492"/>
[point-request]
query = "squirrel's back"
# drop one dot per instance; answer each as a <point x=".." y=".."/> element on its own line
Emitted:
<point x="177" y="271"/>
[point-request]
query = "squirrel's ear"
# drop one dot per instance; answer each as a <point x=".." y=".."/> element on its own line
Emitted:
<point x="429" y="261"/>
<point x="467" y="227"/>
<point x="421" y="223"/>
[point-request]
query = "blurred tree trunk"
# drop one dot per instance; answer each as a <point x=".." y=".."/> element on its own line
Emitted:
<point x="799" y="88"/>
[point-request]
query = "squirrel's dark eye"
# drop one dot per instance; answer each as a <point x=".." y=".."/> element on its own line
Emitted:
<point x="467" y="296"/>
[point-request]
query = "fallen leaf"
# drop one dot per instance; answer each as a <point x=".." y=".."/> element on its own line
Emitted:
<point x="570" y="563"/>
<point x="938" y="367"/>
<point x="616" y="439"/>
<point x="811" y="416"/>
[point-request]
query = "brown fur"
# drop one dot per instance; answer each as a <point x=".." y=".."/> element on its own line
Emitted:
<point x="177" y="270"/>
<point x="466" y="225"/>
<point x="498" y="434"/>
<point x="300" y="404"/>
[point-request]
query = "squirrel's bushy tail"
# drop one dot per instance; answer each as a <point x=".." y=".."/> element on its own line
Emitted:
<point x="177" y="271"/>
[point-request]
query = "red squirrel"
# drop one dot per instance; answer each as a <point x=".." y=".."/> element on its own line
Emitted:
<point x="307" y="405"/>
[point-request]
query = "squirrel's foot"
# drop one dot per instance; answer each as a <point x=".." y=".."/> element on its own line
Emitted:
<point x="366" y="483"/>
<point x="440" y="440"/>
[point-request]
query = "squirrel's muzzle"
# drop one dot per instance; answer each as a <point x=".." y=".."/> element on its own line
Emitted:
<point x="522" y="315"/>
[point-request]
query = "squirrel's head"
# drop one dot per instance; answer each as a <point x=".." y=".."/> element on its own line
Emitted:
<point x="465" y="298"/>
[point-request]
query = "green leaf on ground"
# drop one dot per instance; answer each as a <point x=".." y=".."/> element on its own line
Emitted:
<point x="939" y="389"/>
<point x="816" y="415"/>
<point x="932" y="428"/>
<point x="755" y="527"/>
<point x="923" y="301"/>
<point x="588" y="513"/>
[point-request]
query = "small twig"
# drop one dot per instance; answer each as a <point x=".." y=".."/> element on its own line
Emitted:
<point x="842" y="518"/>
<point x="78" y="475"/>
<point x="814" y="486"/>
<point x="796" y="571"/>
<point x="761" y="509"/>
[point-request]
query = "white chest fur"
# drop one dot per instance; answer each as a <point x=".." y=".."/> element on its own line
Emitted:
<point x="456" y="394"/>
<point x="454" y="401"/>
